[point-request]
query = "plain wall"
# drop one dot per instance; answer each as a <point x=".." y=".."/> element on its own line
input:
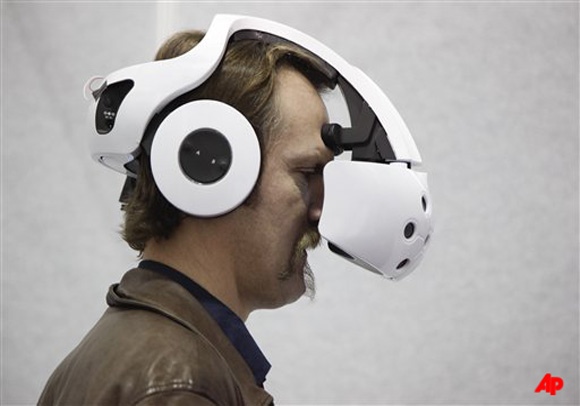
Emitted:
<point x="489" y="91"/>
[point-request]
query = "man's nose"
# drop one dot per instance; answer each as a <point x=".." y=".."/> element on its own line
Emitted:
<point x="316" y="199"/>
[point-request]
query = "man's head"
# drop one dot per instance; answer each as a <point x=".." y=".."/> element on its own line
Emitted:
<point x="276" y="87"/>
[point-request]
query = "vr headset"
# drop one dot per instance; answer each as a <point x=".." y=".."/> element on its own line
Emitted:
<point x="377" y="207"/>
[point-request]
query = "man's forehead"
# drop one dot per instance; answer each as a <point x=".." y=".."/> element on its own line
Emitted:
<point x="302" y="113"/>
<point x="296" y="96"/>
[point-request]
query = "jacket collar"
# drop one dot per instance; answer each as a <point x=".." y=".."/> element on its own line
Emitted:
<point x="231" y="325"/>
<point x="156" y="292"/>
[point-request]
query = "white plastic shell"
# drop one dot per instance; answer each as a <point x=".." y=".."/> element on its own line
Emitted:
<point x="367" y="207"/>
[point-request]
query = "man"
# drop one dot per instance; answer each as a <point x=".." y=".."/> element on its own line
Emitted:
<point x="174" y="332"/>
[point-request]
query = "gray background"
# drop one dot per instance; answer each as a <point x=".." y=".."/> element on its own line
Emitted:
<point x="490" y="93"/>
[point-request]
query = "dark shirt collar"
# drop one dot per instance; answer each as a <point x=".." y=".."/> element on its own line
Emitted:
<point x="232" y="326"/>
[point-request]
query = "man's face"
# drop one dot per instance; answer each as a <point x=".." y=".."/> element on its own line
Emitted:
<point x="281" y="222"/>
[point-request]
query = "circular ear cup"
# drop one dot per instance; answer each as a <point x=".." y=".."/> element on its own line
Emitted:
<point x="205" y="158"/>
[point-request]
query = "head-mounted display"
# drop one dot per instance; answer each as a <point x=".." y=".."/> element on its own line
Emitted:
<point x="377" y="207"/>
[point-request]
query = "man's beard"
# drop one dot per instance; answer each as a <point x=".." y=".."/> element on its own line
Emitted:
<point x="311" y="239"/>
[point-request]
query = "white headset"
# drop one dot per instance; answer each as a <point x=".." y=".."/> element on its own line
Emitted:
<point x="205" y="156"/>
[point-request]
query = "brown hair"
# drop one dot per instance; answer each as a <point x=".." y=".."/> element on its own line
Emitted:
<point x="245" y="79"/>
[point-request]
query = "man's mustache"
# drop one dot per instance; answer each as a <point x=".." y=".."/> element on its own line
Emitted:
<point x="311" y="239"/>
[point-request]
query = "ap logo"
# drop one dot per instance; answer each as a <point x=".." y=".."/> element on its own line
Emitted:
<point x="550" y="384"/>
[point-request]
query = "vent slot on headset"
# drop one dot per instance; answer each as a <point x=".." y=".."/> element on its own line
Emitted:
<point x="108" y="105"/>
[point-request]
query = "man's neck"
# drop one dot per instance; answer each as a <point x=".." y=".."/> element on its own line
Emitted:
<point x="201" y="255"/>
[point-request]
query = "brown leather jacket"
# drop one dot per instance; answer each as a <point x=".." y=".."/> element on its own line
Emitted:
<point x="155" y="345"/>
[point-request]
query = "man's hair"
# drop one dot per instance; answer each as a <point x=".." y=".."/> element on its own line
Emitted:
<point x="245" y="79"/>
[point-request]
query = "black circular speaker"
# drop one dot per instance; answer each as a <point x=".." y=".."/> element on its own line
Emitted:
<point x="205" y="156"/>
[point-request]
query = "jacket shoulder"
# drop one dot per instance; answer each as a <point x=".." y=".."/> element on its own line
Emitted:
<point x="134" y="355"/>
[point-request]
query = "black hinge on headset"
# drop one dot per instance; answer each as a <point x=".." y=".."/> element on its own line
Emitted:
<point x="366" y="137"/>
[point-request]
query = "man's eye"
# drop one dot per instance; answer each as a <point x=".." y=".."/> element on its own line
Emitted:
<point x="304" y="176"/>
<point x="309" y="174"/>
<point x="317" y="170"/>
